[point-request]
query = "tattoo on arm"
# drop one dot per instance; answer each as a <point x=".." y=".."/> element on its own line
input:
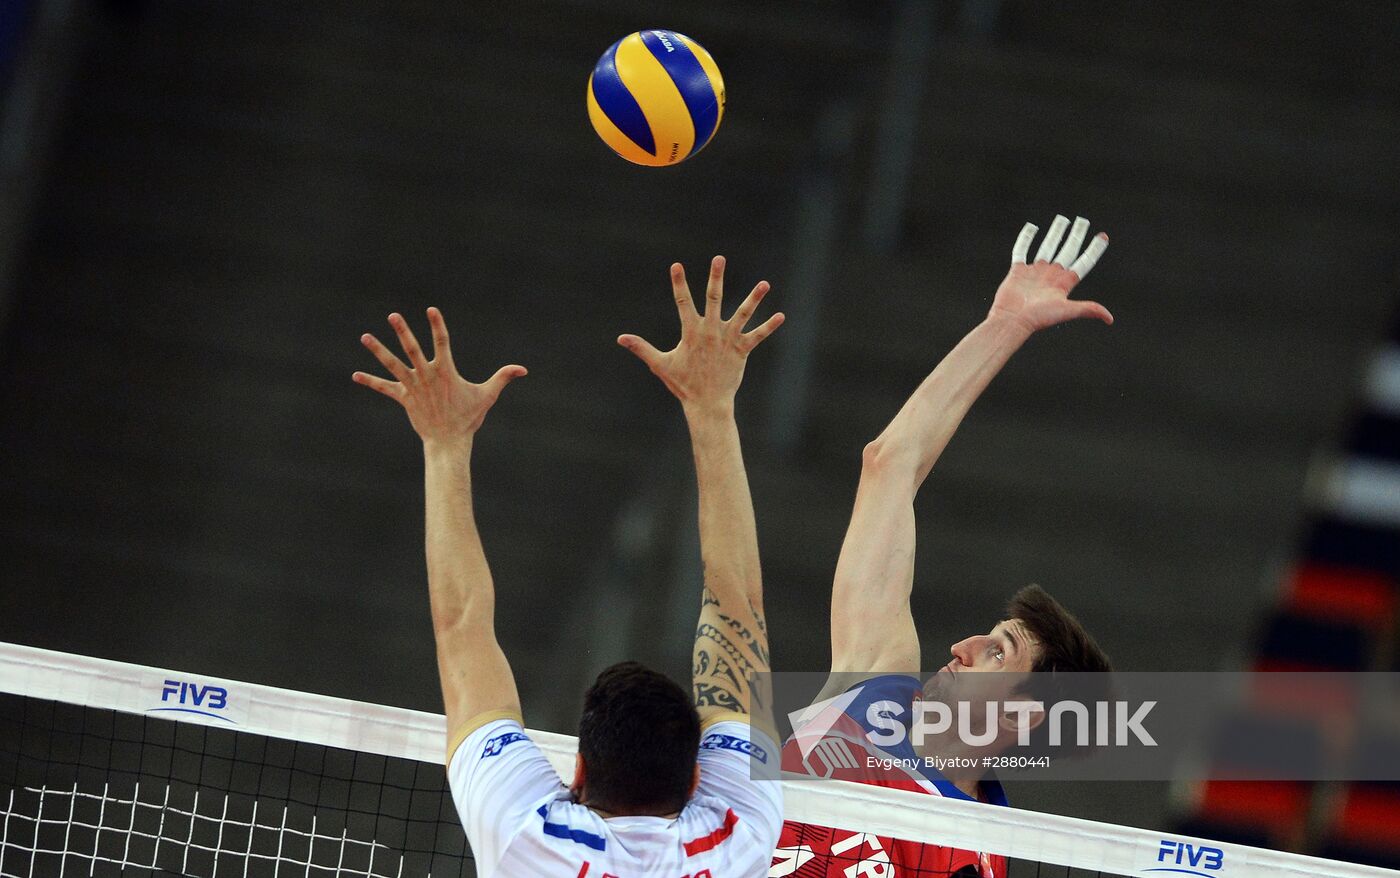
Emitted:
<point x="722" y="676"/>
<point x="710" y="632"/>
<point x="726" y="650"/>
<point x="716" y="696"/>
<point x="758" y="616"/>
<point x="754" y="644"/>
<point x="708" y="666"/>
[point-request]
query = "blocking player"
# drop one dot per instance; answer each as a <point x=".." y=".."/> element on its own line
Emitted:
<point x="874" y="642"/>
<point x="661" y="786"/>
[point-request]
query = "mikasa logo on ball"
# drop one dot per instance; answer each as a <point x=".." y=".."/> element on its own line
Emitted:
<point x="660" y="35"/>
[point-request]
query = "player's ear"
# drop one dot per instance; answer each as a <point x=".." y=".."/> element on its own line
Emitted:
<point x="576" y="788"/>
<point x="694" y="781"/>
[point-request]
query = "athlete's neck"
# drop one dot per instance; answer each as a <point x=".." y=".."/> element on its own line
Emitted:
<point x="606" y="814"/>
<point x="968" y="780"/>
<point x="960" y="764"/>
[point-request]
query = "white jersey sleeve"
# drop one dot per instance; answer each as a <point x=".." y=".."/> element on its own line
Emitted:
<point x="499" y="780"/>
<point x="726" y="773"/>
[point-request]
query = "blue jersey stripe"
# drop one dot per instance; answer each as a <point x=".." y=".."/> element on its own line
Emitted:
<point x="900" y="689"/>
<point x="559" y="830"/>
<point x="617" y="102"/>
<point x="690" y="78"/>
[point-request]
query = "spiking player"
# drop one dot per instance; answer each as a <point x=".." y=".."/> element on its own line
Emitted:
<point x="874" y="642"/>
<point x="661" y="787"/>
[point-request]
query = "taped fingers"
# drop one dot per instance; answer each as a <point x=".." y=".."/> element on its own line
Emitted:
<point x="1085" y="263"/>
<point x="1023" y="243"/>
<point x="1073" y="242"/>
<point x="1052" y="239"/>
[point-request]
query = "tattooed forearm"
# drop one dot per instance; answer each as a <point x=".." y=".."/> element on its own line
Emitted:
<point x="716" y="667"/>
<point x="731" y="657"/>
<point x="758" y="617"/>
<point x="716" y="696"/>
<point x="724" y="670"/>
<point x="710" y="632"/>
<point x="707" y="665"/>
<point x="754" y="644"/>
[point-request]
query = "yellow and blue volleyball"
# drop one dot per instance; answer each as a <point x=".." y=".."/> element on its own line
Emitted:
<point x="656" y="97"/>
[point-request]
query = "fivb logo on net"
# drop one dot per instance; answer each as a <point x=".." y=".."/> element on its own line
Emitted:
<point x="1115" y="723"/>
<point x="189" y="697"/>
<point x="1189" y="858"/>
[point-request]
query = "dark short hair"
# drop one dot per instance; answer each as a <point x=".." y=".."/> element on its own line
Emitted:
<point x="1065" y="647"/>
<point x="639" y="737"/>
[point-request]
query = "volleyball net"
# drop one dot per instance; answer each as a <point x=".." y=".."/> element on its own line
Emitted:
<point x="109" y="768"/>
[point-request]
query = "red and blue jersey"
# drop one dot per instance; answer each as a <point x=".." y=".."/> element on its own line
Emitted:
<point x="845" y="752"/>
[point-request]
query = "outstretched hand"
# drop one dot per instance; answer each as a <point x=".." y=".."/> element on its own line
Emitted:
<point x="1036" y="294"/>
<point x="441" y="404"/>
<point x="707" y="366"/>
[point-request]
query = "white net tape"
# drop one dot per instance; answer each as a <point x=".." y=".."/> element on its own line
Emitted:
<point x="69" y="832"/>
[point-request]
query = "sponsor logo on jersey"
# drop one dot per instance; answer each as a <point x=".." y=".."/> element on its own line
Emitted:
<point x="719" y="741"/>
<point x="495" y="745"/>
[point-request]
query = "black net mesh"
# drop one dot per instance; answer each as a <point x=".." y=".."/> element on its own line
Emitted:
<point x="96" y="792"/>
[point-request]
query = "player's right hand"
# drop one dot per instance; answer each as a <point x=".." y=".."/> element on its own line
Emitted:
<point x="1035" y="294"/>
<point x="706" y="367"/>
<point x="442" y="406"/>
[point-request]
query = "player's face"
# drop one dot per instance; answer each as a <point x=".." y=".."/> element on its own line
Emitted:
<point x="984" y="668"/>
<point x="1007" y="648"/>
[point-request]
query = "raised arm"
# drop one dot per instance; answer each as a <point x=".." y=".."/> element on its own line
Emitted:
<point x="704" y="371"/>
<point x="872" y="628"/>
<point x="446" y="411"/>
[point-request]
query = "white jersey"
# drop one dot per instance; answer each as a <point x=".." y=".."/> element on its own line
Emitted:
<point x="522" y="823"/>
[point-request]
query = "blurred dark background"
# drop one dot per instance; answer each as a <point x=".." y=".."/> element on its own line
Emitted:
<point x="205" y="204"/>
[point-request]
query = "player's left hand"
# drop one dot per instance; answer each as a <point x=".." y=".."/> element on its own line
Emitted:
<point x="1035" y="294"/>
<point x="442" y="406"/>
<point x="707" y="366"/>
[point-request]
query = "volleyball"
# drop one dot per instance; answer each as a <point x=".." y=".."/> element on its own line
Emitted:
<point x="656" y="97"/>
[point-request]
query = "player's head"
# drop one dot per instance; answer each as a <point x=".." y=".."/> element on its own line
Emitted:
<point x="638" y="740"/>
<point x="1069" y="664"/>
<point x="1061" y="642"/>
<point x="1034" y="647"/>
